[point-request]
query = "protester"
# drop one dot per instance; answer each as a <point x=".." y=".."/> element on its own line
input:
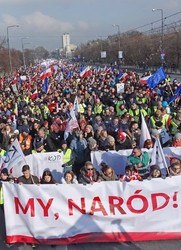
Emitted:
<point x="68" y="157"/>
<point x="69" y="178"/>
<point x="154" y="172"/>
<point x="175" y="169"/>
<point x="131" y="174"/>
<point x="47" y="178"/>
<point x="5" y="177"/>
<point x="27" y="177"/>
<point x="107" y="173"/>
<point x="140" y="160"/>
<point x="88" y="174"/>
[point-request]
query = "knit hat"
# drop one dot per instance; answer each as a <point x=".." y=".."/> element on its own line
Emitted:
<point x="178" y="136"/>
<point x="25" y="129"/>
<point x="38" y="144"/>
<point x="110" y="139"/>
<point x="121" y="135"/>
<point x="63" y="142"/>
<point x="91" y="142"/>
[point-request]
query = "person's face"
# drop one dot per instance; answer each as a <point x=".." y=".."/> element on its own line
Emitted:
<point x="25" y="134"/>
<point x="7" y="127"/>
<point x="104" y="133"/>
<point x="68" y="177"/>
<point x="111" y="143"/>
<point x="90" y="170"/>
<point x="64" y="146"/>
<point x="136" y="152"/>
<point x="40" y="149"/>
<point x="88" y="129"/>
<point x="26" y="174"/>
<point x="135" y="126"/>
<point x="4" y="177"/>
<point x="128" y="172"/>
<point x="47" y="178"/>
<point x="176" y="168"/>
<point x="108" y="172"/>
<point x="156" y="173"/>
<point x="35" y="126"/>
<point x="116" y="121"/>
<point x="41" y="133"/>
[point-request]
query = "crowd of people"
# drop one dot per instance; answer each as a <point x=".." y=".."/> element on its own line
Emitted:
<point x="36" y="111"/>
<point x="107" y="118"/>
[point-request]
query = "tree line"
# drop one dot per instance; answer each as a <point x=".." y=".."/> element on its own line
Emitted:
<point x="138" y="49"/>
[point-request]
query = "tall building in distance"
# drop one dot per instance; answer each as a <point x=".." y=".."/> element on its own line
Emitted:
<point x="68" y="48"/>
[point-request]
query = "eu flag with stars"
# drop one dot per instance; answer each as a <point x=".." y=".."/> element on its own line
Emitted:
<point x="156" y="78"/>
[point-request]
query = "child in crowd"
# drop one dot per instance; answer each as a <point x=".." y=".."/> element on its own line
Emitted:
<point x="131" y="174"/>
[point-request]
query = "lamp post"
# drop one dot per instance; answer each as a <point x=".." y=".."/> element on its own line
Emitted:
<point x="22" y="44"/>
<point x="162" y="19"/>
<point x="116" y="25"/>
<point x="9" y="52"/>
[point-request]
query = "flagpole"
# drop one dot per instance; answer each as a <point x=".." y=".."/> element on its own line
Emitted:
<point x="170" y="88"/>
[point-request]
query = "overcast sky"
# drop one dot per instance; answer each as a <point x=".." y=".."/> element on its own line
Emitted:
<point x="44" y="21"/>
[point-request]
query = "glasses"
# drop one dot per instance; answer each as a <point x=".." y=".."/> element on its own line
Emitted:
<point x="90" y="169"/>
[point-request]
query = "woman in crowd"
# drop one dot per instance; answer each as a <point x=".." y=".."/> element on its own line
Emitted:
<point x="69" y="178"/>
<point x="88" y="174"/>
<point x="155" y="172"/>
<point x="107" y="173"/>
<point x="47" y="178"/>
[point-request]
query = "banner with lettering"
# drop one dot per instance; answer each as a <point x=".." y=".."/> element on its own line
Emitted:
<point x="102" y="212"/>
<point x="119" y="159"/>
<point x="38" y="162"/>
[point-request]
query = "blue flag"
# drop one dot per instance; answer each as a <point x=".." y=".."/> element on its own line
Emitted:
<point x="176" y="94"/>
<point x="69" y="73"/>
<point x="118" y="77"/>
<point x="113" y="82"/>
<point x="156" y="78"/>
<point x="45" y="85"/>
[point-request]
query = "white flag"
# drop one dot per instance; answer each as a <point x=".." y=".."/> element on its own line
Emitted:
<point x="76" y="106"/>
<point x="72" y="124"/>
<point x="145" y="134"/>
<point x="14" y="155"/>
<point x="158" y="157"/>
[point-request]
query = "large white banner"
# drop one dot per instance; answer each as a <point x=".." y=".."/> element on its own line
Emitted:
<point x="119" y="159"/>
<point x="102" y="212"/>
<point x="38" y="162"/>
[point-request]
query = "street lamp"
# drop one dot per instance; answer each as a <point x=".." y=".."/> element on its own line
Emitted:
<point x="9" y="52"/>
<point x="161" y="10"/>
<point x="22" y="44"/>
<point x="116" y="25"/>
<point x="119" y="34"/>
